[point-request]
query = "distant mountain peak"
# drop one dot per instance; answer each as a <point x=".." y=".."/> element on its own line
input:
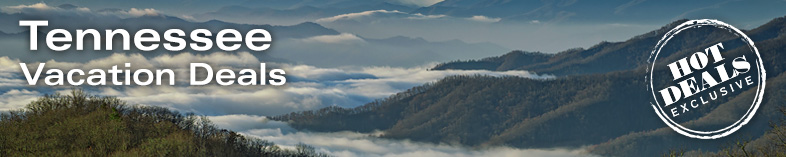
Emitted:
<point x="67" y="6"/>
<point x="661" y="30"/>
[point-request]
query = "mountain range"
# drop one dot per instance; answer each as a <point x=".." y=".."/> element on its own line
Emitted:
<point x="552" y="11"/>
<point x="291" y="14"/>
<point x="296" y="43"/>
<point x="599" y="101"/>
<point x="603" y="57"/>
<point x="592" y="11"/>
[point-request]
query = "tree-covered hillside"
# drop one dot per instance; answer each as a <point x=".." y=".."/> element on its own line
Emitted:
<point x="82" y="125"/>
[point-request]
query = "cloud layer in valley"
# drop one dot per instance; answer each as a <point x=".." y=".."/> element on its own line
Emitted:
<point x="240" y="108"/>
<point x="307" y="88"/>
<point x="353" y="144"/>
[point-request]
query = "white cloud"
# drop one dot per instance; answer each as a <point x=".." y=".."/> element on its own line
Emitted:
<point x="188" y="18"/>
<point x="343" y="38"/>
<point x="378" y="15"/>
<point x="16" y="99"/>
<point x="350" y="16"/>
<point x="534" y="22"/>
<point x="130" y="13"/>
<point x="374" y="16"/>
<point x="21" y="8"/>
<point x="420" y="3"/>
<point x="351" y="144"/>
<point x="143" y="12"/>
<point x="250" y="122"/>
<point x="8" y="64"/>
<point x="481" y="18"/>
<point x="43" y="8"/>
<point x="9" y="74"/>
<point x="419" y="16"/>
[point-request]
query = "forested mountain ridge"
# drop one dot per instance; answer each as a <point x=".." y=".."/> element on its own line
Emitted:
<point x="606" y="56"/>
<point x="606" y="109"/>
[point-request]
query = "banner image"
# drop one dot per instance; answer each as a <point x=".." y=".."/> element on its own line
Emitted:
<point x="392" y="78"/>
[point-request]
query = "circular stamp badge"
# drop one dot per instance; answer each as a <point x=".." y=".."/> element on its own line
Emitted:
<point x="706" y="78"/>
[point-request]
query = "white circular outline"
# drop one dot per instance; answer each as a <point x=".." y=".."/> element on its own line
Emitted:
<point x="731" y="128"/>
